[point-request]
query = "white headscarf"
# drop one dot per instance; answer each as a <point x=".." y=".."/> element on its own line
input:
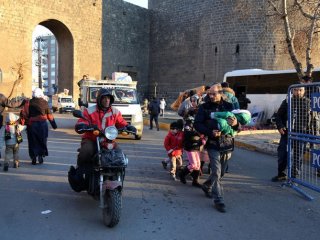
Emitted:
<point x="38" y="93"/>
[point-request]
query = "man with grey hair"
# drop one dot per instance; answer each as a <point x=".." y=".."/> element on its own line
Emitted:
<point x="219" y="146"/>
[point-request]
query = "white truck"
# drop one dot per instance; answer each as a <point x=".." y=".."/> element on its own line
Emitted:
<point x="62" y="103"/>
<point x="125" y="99"/>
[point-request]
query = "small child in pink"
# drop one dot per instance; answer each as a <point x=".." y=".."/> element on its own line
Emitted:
<point x="192" y="143"/>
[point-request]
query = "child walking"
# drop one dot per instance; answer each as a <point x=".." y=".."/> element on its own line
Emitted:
<point x="192" y="143"/>
<point x="12" y="138"/>
<point x="173" y="144"/>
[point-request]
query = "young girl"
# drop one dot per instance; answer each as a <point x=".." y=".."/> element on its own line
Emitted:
<point x="192" y="143"/>
<point x="173" y="144"/>
<point x="12" y="138"/>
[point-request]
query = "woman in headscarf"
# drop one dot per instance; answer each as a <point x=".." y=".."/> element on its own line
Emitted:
<point x="38" y="114"/>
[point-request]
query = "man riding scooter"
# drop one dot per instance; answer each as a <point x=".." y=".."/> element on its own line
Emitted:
<point x="100" y="116"/>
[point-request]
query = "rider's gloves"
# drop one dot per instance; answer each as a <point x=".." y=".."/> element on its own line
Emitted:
<point x="95" y="127"/>
<point x="81" y="128"/>
<point x="131" y="128"/>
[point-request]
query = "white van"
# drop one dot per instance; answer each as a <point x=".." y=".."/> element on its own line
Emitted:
<point x="62" y="103"/>
<point x="125" y="99"/>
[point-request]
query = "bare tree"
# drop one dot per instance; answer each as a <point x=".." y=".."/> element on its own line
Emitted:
<point x="18" y="70"/>
<point x="301" y="20"/>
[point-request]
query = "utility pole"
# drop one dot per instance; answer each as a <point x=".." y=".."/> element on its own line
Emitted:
<point x="155" y="89"/>
<point x="38" y="50"/>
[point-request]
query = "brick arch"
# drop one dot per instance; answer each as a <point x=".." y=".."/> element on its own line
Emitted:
<point x="79" y="41"/>
<point x="65" y="52"/>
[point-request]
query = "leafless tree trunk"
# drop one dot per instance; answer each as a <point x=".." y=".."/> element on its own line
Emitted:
<point x="309" y="11"/>
<point x="5" y="101"/>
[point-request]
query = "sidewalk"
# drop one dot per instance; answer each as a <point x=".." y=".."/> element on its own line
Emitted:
<point x="265" y="141"/>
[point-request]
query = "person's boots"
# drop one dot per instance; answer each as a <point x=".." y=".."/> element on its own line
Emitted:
<point x="16" y="164"/>
<point x="40" y="159"/>
<point x="182" y="175"/>
<point x="195" y="175"/>
<point x="5" y="167"/>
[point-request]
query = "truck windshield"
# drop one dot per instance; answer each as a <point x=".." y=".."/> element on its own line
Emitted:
<point x="121" y="95"/>
<point x="66" y="100"/>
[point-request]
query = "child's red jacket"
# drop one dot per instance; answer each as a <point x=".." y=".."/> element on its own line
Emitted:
<point x="174" y="142"/>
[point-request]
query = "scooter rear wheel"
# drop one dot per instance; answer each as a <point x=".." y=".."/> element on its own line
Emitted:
<point x="112" y="208"/>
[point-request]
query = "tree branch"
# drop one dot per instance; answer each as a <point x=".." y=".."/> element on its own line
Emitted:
<point x="275" y="8"/>
<point x="289" y="39"/>
<point x="310" y="41"/>
<point x="304" y="13"/>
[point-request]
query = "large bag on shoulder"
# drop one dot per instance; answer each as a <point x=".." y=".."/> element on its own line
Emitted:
<point x="226" y="143"/>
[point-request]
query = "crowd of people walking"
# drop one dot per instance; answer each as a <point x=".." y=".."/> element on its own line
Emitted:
<point x="209" y="125"/>
<point x="205" y="133"/>
<point x="211" y="120"/>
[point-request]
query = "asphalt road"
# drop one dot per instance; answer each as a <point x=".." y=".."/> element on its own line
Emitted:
<point x="154" y="207"/>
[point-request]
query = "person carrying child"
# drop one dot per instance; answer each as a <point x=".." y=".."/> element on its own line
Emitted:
<point x="192" y="143"/>
<point x="173" y="143"/>
<point x="242" y="116"/>
<point x="12" y="138"/>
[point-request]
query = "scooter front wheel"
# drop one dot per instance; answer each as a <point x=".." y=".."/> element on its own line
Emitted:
<point x="112" y="207"/>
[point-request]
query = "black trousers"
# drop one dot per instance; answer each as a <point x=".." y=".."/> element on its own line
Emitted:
<point x="155" y="118"/>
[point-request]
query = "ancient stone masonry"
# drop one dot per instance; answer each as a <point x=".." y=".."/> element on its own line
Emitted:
<point x="195" y="42"/>
<point x="77" y="35"/>
<point x="125" y="41"/>
<point x="172" y="46"/>
<point x="94" y="37"/>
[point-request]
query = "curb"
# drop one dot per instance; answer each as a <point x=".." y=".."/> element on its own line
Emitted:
<point x="163" y="126"/>
<point x="265" y="148"/>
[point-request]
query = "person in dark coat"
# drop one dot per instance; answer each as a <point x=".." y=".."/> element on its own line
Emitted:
<point x="219" y="146"/>
<point x="154" y="110"/>
<point x="243" y="101"/>
<point x="39" y="113"/>
<point x="300" y="123"/>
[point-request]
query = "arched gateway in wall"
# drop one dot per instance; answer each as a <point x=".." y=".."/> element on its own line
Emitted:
<point x="66" y="53"/>
<point x="78" y="35"/>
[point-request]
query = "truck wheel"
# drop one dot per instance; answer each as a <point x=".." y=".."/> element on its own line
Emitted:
<point x="60" y="110"/>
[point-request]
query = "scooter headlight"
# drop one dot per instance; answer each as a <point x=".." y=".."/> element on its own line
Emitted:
<point x="111" y="132"/>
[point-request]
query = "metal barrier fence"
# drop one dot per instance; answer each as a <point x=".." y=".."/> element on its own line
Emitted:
<point x="304" y="137"/>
